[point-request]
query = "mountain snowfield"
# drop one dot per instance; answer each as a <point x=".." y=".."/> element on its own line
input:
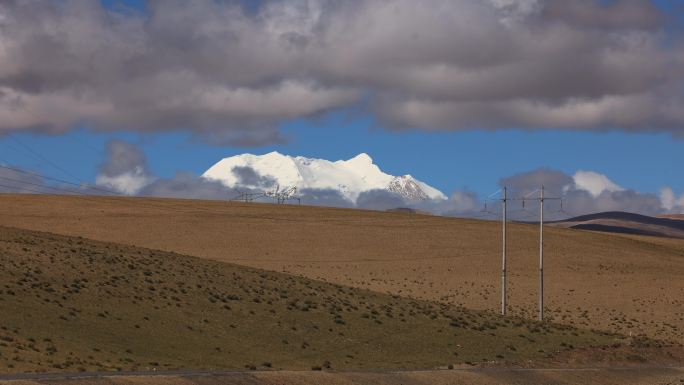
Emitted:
<point x="349" y="177"/>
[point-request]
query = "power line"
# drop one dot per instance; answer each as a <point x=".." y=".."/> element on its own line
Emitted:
<point x="25" y="189"/>
<point x="84" y="186"/>
<point x="37" y="184"/>
<point x="41" y="157"/>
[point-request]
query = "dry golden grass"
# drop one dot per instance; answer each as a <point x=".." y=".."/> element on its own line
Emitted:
<point x="72" y="304"/>
<point x="626" y="284"/>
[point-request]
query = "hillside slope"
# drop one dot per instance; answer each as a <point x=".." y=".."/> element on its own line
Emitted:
<point x="673" y="216"/>
<point x="623" y="283"/>
<point x="626" y="223"/>
<point x="73" y="304"/>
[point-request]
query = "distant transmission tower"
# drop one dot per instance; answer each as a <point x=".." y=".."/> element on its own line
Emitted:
<point x="285" y="195"/>
<point x="248" y="197"/>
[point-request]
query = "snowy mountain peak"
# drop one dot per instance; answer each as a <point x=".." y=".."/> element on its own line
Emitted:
<point x="349" y="177"/>
<point x="361" y="159"/>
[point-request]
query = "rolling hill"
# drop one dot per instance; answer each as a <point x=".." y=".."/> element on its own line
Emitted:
<point x="672" y="216"/>
<point x="72" y="304"/>
<point x="627" y="284"/>
<point x="627" y="223"/>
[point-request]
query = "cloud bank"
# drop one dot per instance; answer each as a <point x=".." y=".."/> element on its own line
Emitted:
<point x="232" y="74"/>
<point x="671" y="202"/>
<point x="585" y="192"/>
<point x="125" y="171"/>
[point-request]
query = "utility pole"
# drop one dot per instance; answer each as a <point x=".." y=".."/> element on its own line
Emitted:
<point x="541" y="254"/>
<point x="504" y="199"/>
<point x="503" y="256"/>
<point x="542" y="198"/>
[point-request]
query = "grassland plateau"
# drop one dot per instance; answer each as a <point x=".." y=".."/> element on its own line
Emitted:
<point x="130" y="284"/>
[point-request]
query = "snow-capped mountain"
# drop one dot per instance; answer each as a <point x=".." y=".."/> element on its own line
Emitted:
<point x="349" y="177"/>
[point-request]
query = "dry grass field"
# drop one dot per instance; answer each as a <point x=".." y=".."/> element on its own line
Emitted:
<point x="71" y="304"/>
<point x="625" y="284"/>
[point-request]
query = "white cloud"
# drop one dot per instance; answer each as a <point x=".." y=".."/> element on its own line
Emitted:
<point x="124" y="168"/>
<point x="129" y="182"/>
<point x="594" y="183"/>
<point x="584" y="193"/>
<point x="670" y="201"/>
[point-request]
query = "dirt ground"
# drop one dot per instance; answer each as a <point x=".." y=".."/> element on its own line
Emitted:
<point x="627" y="284"/>
<point x="443" y="377"/>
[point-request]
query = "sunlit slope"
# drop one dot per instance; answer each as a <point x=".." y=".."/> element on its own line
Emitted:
<point x="71" y="304"/>
<point x="622" y="283"/>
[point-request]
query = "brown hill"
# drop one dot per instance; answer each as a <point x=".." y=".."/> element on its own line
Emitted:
<point x="624" y="283"/>
<point x="72" y="304"/>
<point x="627" y="223"/>
<point x="673" y="216"/>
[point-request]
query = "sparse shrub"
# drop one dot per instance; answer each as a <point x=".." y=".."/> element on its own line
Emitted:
<point x="635" y="358"/>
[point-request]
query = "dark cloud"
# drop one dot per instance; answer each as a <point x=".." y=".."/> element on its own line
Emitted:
<point x="627" y="200"/>
<point x="461" y="203"/>
<point x="122" y="157"/>
<point x="247" y="176"/>
<point x="188" y="186"/>
<point x="578" y="198"/>
<point x="124" y="169"/>
<point x="231" y="74"/>
<point x="625" y="14"/>
<point x="380" y="200"/>
<point x="527" y="182"/>
<point x="324" y="197"/>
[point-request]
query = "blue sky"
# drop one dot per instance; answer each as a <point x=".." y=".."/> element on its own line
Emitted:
<point x="474" y="160"/>
<point x="644" y="159"/>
